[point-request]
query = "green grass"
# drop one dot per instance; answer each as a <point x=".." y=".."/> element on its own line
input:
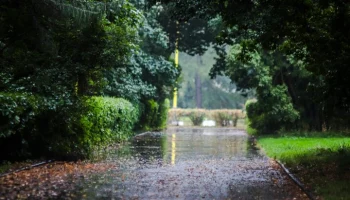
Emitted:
<point x="335" y="189"/>
<point x="295" y="150"/>
<point x="321" y="161"/>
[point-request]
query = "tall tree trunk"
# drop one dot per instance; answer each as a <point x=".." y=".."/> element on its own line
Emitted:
<point x="198" y="83"/>
<point x="198" y="90"/>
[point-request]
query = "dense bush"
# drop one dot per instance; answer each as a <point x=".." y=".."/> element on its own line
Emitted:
<point x="33" y="128"/>
<point x="15" y="111"/>
<point x="17" y="116"/>
<point x="163" y="114"/>
<point x="111" y="118"/>
<point x="222" y="117"/>
<point x="154" y="115"/>
<point x="250" y="130"/>
<point x="85" y="50"/>
<point x="225" y="116"/>
<point x="96" y="122"/>
<point x="197" y="117"/>
<point x="149" y="115"/>
<point x="273" y="112"/>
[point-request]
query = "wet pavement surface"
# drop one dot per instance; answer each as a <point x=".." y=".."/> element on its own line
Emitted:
<point x="185" y="163"/>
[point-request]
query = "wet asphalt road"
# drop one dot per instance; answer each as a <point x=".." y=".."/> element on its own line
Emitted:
<point x="181" y="163"/>
<point x="188" y="163"/>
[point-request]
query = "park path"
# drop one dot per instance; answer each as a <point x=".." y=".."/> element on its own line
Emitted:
<point x="183" y="163"/>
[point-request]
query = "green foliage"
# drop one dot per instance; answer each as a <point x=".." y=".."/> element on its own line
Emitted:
<point x="68" y="131"/>
<point x="296" y="150"/>
<point x="154" y="115"/>
<point x="148" y="74"/>
<point x="224" y="117"/>
<point x="303" y="45"/>
<point x="274" y="108"/>
<point x="108" y="119"/>
<point x="16" y="111"/>
<point x="25" y="124"/>
<point x="60" y="55"/>
<point x="163" y="114"/>
<point x="272" y="113"/>
<point x="218" y="93"/>
<point x="320" y="160"/>
<point x="72" y="50"/>
<point x="197" y="117"/>
<point x="150" y="114"/>
<point x="97" y="122"/>
<point x="249" y="129"/>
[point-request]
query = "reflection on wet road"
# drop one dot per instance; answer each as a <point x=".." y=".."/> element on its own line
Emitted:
<point x="188" y="164"/>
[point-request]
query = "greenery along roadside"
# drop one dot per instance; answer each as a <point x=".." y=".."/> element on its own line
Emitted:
<point x="222" y="117"/>
<point x="295" y="54"/>
<point x="320" y="160"/>
<point x="68" y="132"/>
<point x="55" y="78"/>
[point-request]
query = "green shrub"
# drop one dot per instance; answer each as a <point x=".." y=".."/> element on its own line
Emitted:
<point x="112" y="119"/>
<point x="273" y="112"/>
<point x="17" y="116"/>
<point x="149" y="115"/>
<point x="197" y="117"/>
<point x="222" y="119"/>
<point x="250" y="130"/>
<point x="76" y="131"/>
<point x="67" y="131"/>
<point x="154" y="115"/>
<point x="163" y="114"/>
<point x="224" y="116"/>
<point x="16" y="110"/>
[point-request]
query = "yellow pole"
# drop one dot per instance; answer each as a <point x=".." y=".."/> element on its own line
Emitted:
<point x="176" y="62"/>
<point x="173" y="149"/>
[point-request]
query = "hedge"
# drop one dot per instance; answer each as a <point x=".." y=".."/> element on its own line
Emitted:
<point x="32" y="127"/>
<point x="112" y="119"/>
<point x="18" y="113"/>
<point x="154" y="115"/>
<point x="97" y="122"/>
<point x="222" y="117"/>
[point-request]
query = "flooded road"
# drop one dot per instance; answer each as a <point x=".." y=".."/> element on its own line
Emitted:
<point x="181" y="163"/>
<point x="189" y="164"/>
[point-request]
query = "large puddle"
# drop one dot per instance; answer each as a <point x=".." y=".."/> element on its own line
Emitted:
<point x="185" y="164"/>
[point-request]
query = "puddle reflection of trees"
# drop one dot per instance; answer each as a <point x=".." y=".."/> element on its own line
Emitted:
<point x="177" y="145"/>
<point x="201" y="144"/>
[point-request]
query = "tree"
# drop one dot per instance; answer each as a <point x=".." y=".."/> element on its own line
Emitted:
<point x="75" y="42"/>
<point x="55" y="55"/>
<point x="315" y="33"/>
<point x="215" y="93"/>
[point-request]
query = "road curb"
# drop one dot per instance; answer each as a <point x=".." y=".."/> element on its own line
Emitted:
<point x="296" y="181"/>
<point x="26" y="168"/>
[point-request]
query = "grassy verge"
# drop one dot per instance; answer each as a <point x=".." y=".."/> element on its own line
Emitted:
<point x="321" y="161"/>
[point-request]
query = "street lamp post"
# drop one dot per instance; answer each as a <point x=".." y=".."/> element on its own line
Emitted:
<point x="176" y="61"/>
